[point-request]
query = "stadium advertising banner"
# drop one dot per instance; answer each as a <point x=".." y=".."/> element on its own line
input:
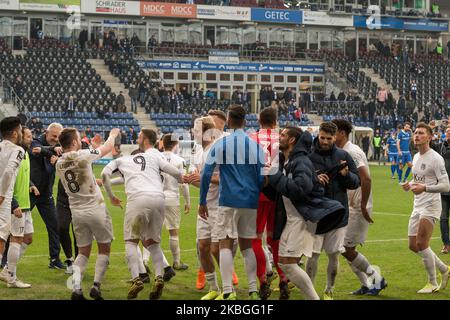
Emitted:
<point x="401" y="24"/>
<point x="241" y="67"/>
<point x="170" y="10"/>
<point x="9" y="4"/>
<point x="130" y="8"/>
<point x="224" y="56"/>
<point x="223" y="13"/>
<point x="320" y="18"/>
<point x="275" y="15"/>
<point x="50" y="5"/>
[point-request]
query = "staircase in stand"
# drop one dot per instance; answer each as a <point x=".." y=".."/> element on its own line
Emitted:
<point x="115" y="85"/>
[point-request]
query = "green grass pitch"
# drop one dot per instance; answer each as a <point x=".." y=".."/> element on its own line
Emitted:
<point x="387" y="247"/>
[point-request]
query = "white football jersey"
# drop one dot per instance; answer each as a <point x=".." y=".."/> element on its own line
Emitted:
<point x="360" y="159"/>
<point x="10" y="157"/>
<point x="142" y="173"/>
<point x="428" y="169"/>
<point x="171" y="184"/>
<point x="75" y="172"/>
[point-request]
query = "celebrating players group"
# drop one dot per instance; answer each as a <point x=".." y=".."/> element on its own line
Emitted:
<point x="278" y="194"/>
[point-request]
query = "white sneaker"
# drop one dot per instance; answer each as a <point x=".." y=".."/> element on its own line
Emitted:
<point x="445" y="277"/>
<point x="4" y="276"/>
<point x="18" y="284"/>
<point x="429" y="288"/>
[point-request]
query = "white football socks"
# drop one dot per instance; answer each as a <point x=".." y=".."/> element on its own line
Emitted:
<point x="212" y="281"/>
<point x="429" y="263"/>
<point x="250" y="268"/>
<point x="311" y="266"/>
<point x="13" y="258"/>
<point x="157" y="258"/>
<point x="361" y="275"/>
<point x="145" y="255"/>
<point x="174" y="244"/>
<point x="78" y="270"/>
<point x="132" y="258"/>
<point x="101" y="265"/>
<point x="23" y="248"/>
<point x="442" y="267"/>
<point x="300" y="279"/>
<point x="362" y="264"/>
<point x="332" y="269"/>
<point x="141" y="261"/>
<point x="226" y="269"/>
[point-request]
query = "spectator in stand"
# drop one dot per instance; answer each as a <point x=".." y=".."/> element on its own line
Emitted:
<point x="18" y="86"/>
<point x="382" y="96"/>
<point x="152" y="43"/>
<point x="414" y="90"/>
<point x="377" y="145"/>
<point x="366" y="144"/>
<point x="120" y="101"/>
<point x="439" y="49"/>
<point x="210" y="95"/>
<point x="123" y="137"/>
<point x="288" y="95"/>
<point x="133" y="92"/>
<point x="71" y="105"/>
<point x="341" y="96"/>
<point x="132" y="136"/>
<point x="82" y="39"/>
<point x="135" y="43"/>
<point x="332" y="96"/>
<point x="197" y="94"/>
<point x="236" y="97"/>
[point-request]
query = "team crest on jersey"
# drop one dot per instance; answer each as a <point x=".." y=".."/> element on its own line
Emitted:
<point x="94" y="151"/>
<point x="423" y="166"/>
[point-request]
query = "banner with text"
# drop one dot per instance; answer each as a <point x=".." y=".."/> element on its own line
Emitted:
<point x="241" y="67"/>
<point x="50" y="5"/>
<point x="320" y="18"/>
<point x="223" y="13"/>
<point x="9" y="4"/>
<point x="171" y="10"/>
<point x="374" y="23"/>
<point x="223" y="56"/>
<point x="130" y="8"/>
<point x="276" y="15"/>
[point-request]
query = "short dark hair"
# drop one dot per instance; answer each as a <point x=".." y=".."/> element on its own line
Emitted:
<point x="343" y="125"/>
<point x="294" y="132"/>
<point x="150" y="135"/>
<point x="169" y="141"/>
<point x="218" y="113"/>
<point x="425" y="126"/>
<point x="236" y="115"/>
<point x="268" y="116"/>
<point x="328" y="127"/>
<point x="8" y="125"/>
<point x="67" y="136"/>
<point x="407" y="123"/>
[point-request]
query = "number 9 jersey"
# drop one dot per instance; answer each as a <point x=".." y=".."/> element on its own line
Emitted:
<point x="75" y="172"/>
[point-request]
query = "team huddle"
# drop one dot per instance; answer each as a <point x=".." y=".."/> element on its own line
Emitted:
<point x="277" y="194"/>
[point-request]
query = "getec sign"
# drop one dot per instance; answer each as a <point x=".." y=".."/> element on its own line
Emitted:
<point x="173" y="10"/>
<point x="279" y="16"/>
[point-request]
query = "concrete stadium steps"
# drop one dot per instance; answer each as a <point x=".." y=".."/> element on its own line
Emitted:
<point x="316" y="119"/>
<point x="369" y="72"/>
<point x="115" y="85"/>
<point x="8" y="110"/>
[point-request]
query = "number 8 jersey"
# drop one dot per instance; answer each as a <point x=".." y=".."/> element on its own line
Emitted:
<point x="75" y="172"/>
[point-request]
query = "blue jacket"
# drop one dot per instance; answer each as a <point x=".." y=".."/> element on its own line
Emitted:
<point x="301" y="185"/>
<point x="338" y="186"/>
<point x="240" y="161"/>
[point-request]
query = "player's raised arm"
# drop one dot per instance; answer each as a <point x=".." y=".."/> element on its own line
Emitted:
<point x="107" y="173"/>
<point x="108" y="146"/>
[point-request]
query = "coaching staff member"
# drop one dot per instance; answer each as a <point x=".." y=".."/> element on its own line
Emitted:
<point x="43" y="155"/>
